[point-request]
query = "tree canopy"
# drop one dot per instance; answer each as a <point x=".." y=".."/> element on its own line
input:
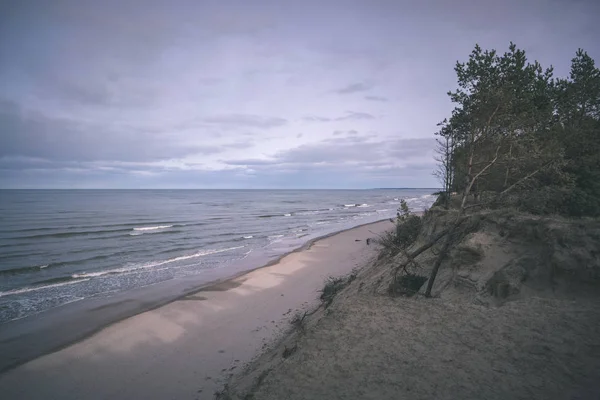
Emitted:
<point x="520" y="136"/>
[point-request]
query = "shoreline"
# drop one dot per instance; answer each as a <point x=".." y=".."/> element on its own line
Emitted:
<point x="190" y="346"/>
<point x="26" y="339"/>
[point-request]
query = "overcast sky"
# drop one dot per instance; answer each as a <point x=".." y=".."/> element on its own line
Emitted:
<point x="249" y="93"/>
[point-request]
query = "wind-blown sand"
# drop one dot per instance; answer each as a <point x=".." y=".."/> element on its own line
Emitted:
<point x="186" y="349"/>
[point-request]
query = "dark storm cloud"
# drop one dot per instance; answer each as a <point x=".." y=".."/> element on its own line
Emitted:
<point x="246" y="121"/>
<point x="352" y="115"/>
<point x="354" y="88"/>
<point x="377" y="98"/>
<point x="365" y="151"/>
<point x="313" y="118"/>
<point x="252" y="162"/>
<point x="31" y="134"/>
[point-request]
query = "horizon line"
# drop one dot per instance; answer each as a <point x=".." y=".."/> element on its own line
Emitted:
<point x="374" y="188"/>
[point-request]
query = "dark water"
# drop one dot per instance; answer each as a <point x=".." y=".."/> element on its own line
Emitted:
<point x="60" y="246"/>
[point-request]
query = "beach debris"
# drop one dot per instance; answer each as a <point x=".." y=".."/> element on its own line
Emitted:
<point x="288" y="351"/>
<point x="298" y="320"/>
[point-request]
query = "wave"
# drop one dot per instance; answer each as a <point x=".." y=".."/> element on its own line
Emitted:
<point x="248" y="237"/>
<point x="312" y="212"/>
<point x="155" y="232"/>
<point x="363" y="205"/>
<point x="152" y="228"/>
<point x="22" y="270"/>
<point x="274" y="215"/>
<point x="41" y="287"/>
<point x="64" y="235"/>
<point x="125" y="270"/>
<point x="70" y="231"/>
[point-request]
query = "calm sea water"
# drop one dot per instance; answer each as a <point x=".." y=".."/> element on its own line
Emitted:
<point x="60" y="246"/>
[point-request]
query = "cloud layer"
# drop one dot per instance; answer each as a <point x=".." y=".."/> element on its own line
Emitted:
<point x="248" y="94"/>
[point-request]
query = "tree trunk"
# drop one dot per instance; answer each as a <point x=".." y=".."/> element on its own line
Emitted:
<point x="508" y="166"/>
<point x="461" y="211"/>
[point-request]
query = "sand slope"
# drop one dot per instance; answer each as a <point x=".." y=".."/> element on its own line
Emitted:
<point x="376" y="347"/>
<point x="515" y="316"/>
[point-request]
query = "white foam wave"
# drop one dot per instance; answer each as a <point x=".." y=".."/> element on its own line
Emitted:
<point x="349" y="205"/>
<point x="43" y="266"/>
<point x="312" y="212"/>
<point x="275" y="236"/>
<point x="363" y="205"/>
<point x="287" y="215"/>
<point x="384" y="210"/>
<point x="126" y="270"/>
<point x="248" y="237"/>
<point x="35" y="288"/>
<point x="152" y="228"/>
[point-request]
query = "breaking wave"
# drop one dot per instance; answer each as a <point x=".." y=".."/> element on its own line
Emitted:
<point x="126" y="270"/>
<point x="152" y="228"/>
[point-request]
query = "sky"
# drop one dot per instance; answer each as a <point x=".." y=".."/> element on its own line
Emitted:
<point x="250" y="93"/>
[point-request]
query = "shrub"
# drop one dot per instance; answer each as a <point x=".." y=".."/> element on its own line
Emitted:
<point x="332" y="287"/>
<point x="407" y="285"/>
<point x="335" y="285"/>
<point x="402" y="237"/>
<point x="408" y="231"/>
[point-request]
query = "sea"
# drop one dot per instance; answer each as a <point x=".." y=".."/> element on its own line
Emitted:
<point x="63" y="246"/>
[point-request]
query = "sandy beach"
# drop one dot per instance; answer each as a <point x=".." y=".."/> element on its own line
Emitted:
<point x="187" y="348"/>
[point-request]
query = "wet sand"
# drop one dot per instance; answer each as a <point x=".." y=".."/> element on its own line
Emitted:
<point x="186" y="348"/>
